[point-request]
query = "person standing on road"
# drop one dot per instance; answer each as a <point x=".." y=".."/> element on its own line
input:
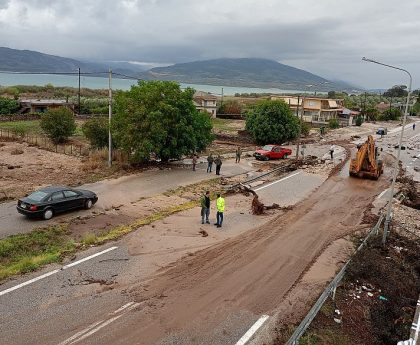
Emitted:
<point x="209" y="162"/>
<point x="218" y="162"/>
<point x="238" y="154"/>
<point x="220" y="206"/>
<point x="205" y="207"/>
<point x="194" y="161"/>
<point x="414" y="126"/>
<point x="332" y="151"/>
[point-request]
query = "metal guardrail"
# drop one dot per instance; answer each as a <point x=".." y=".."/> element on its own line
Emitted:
<point x="330" y="290"/>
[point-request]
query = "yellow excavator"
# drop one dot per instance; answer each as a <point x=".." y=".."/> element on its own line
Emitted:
<point x="366" y="164"/>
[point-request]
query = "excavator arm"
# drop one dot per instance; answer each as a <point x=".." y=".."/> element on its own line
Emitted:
<point x="365" y="164"/>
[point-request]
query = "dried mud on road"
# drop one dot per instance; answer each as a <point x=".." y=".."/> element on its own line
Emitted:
<point x="251" y="273"/>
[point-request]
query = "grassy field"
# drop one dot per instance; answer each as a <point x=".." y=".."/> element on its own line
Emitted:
<point x="227" y="125"/>
<point x="32" y="127"/>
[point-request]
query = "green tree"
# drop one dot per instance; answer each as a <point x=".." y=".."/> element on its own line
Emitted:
<point x="272" y="122"/>
<point x="230" y="107"/>
<point x="372" y="114"/>
<point x="391" y="114"/>
<point x="333" y="124"/>
<point x="158" y="118"/>
<point x="58" y="124"/>
<point x="96" y="131"/>
<point x="396" y="91"/>
<point x="304" y="128"/>
<point x="359" y="120"/>
<point x="8" y="106"/>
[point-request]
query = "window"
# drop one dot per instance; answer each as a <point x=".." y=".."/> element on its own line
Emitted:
<point x="37" y="196"/>
<point x="276" y="149"/>
<point x="70" y="194"/>
<point x="57" y="196"/>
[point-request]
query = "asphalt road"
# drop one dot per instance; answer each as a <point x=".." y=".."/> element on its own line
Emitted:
<point x="117" y="192"/>
<point x="55" y="308"/>
<point x="211" y="298"/>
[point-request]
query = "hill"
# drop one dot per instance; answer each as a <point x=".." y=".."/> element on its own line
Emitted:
<point x="247" y="72"/>
<point x="14" y="60"/>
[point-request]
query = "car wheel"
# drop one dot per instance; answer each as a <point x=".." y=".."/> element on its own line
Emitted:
<point x="48" y="214"/>
<point x="285" y="156"/>
<point x="88" y="204"/>
<point x="266" y="158"/>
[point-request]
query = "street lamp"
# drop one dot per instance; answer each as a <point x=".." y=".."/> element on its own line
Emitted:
<point x="395" y="173"/>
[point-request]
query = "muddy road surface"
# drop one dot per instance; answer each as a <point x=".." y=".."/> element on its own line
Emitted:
<point x="215" y="295"/>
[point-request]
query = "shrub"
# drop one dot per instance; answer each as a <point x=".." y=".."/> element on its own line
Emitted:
<point x="359" y="121"/>
<point x="272" y="122"/>
<point x="58" y="124"/>
<point x="333" y="124"/>
<point x="390" y="114"/>
<point x="304" y="128"/>
<point x="96" y="131"/>
<point x="8" y="106"/>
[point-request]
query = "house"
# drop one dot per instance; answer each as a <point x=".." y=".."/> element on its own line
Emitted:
<point x="317" y="111"/>
<point x="43" y="105"/>
<point x="347" y="117"/>
<point x="205" y="101"/>
<point x="382" y="107"/>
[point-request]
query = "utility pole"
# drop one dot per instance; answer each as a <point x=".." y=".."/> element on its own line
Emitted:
<point x="222" y="98"/>
<point x="109" y="118"/>
<point x="78" y="100"/>
<point x="301" y="118"/>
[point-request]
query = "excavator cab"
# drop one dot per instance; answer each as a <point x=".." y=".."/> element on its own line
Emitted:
<point x="366" y="163"/>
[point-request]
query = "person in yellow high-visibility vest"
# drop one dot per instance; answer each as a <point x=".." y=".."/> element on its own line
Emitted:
<point x="220" y="206"/>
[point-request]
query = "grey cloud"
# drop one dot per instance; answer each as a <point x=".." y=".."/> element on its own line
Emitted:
<point x="326" y="37"/>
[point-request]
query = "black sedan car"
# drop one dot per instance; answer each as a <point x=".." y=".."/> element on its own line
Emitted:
<point x="49" y="201"/>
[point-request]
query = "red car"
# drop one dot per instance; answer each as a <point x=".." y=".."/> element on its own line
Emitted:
<point x="272" y="152"/>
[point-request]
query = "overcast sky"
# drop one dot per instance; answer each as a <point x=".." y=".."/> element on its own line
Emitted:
<point x="325" y="37"/>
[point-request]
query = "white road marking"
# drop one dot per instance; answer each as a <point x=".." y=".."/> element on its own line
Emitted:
<point x="255" y="327"/>
<point x="284" y="178"/>
<point x="95" y="327"/>
<point x="13" y="288"/>
<point x="88" y="258"/>
<point x="380" y="195"/>
<point x="28" y="282"/>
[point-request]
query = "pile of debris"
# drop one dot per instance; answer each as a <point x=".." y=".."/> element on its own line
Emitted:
<point x="411" y="191"/>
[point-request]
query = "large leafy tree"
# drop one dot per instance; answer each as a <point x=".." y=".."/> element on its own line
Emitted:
<point x="272" y="122"/>
<point x="396" y="91"/>
<point x="158" y="118"/>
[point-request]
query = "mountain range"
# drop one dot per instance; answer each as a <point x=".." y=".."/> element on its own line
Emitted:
<point x="243" y="72"/>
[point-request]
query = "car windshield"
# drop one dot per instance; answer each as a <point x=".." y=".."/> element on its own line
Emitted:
<point x="37" y="196"/>
<point x="267" y="147"/>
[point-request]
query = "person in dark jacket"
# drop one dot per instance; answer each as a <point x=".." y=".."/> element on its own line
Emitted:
<point x="209" y="162"/>
<point x="238" y="154"/>
<point x="205" y="207"/>
<point x="218" y="162"/>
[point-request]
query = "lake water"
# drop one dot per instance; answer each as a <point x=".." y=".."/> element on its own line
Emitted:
<point x="10" y="79"/>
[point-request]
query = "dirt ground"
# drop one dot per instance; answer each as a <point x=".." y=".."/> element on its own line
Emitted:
<point x="377" y="300"/>
<point x="24" y="168"/>
<point x="237" y="267"/>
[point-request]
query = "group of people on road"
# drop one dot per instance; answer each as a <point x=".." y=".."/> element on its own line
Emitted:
<point x="205" y="209"/>
<point x="217" y="161"/>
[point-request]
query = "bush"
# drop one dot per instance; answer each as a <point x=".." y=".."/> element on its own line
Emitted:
<point x="333" y="124"/>
<point x="272" y="122"/>
<point x="20" y="129"/>
<point x="359" y="121"/>
<point x="304" y="128"/>
<point x="58" y="124"/>
<point x="390" y="115"/>
<point x="8" y="106"/>
<point x="96" y="131"/>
